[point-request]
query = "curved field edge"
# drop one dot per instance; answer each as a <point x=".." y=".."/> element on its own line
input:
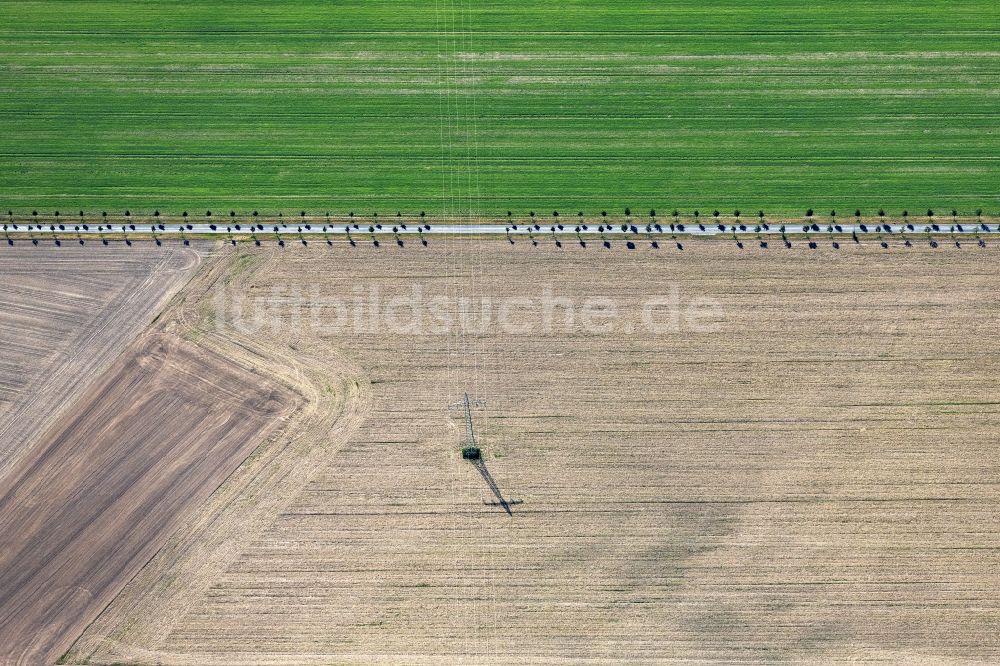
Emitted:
<point x="334" y="399"/>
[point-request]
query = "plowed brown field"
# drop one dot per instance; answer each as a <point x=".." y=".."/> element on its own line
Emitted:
<point x="97" y="496"/>
<point x="65" y="314"/>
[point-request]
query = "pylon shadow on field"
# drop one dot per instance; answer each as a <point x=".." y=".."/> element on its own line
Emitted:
<point x="503" y="503"/>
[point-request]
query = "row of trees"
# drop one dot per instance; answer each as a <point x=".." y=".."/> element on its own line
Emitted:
<point x="628" y="227"/>
<point x="533" y="221"/>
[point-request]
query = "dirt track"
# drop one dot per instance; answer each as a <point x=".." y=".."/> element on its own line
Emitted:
<point x="98" y="494"/>
<point x="812" y="480"/>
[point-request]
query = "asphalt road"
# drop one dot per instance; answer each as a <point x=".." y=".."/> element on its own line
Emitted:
<point x="362" y="230"/>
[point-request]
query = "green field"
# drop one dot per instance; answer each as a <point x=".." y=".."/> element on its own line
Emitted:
<point x="473" y="108"/>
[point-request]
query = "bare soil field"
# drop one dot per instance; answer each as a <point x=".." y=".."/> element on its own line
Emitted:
<point x="98" y="494"/>
<point x="65" y="314"/>
<point x="725" y="457"/>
